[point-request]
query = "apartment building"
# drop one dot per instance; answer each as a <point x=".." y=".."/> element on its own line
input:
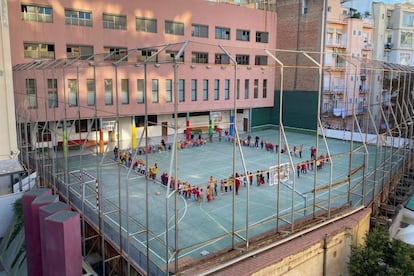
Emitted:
<point x="86" y="65"/>
<point x="394" y="29"/>
<point x="346" y="78"/>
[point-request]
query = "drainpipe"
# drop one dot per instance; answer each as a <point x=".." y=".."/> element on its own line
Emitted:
<point x="325" y="251"/>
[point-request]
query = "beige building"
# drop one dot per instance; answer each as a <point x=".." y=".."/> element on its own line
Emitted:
<point x="346" y="83"/>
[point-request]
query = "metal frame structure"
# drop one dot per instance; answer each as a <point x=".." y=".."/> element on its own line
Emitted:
<point x="393" y="151"/>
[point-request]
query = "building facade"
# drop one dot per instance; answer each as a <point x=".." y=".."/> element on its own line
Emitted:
<point x="118" y="60"/>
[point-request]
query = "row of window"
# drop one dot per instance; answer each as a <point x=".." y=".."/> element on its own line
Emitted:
<point x="47" y="51"/>
<point x="142" y="24"/>
<point x="52" y="91"/>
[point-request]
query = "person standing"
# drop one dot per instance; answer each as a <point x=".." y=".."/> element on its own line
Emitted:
<point x="237" y="183"/>
<point x="153" y="171"/>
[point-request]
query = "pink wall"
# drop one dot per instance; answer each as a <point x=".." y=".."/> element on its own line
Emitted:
<point x="186" y="11"/>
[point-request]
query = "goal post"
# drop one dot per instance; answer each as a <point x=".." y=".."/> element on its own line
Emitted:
<point x="279" y="173"/>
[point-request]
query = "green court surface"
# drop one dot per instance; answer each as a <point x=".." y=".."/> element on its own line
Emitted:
<point x="197" y="228"/>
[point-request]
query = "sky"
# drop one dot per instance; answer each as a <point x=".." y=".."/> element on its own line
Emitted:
<point x="365" y="5"/>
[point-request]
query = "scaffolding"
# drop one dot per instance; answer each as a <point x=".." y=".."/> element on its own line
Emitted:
<point x="380" y="134"/>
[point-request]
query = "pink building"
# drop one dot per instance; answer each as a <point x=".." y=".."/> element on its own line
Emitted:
<point x="87" y="65"/>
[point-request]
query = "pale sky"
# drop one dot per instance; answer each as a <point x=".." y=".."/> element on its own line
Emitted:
<point x="365" y="5"/>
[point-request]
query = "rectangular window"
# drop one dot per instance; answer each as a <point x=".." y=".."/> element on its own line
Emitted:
<point x="226" y="89"/>
<point x="260" y="60"/>
<point x="262" y="37"/>
<point x="145" y="54"/>
<point x="125" y="91"/>
<point x="78" y="18"/>
<point x="242" y="59"/>
<point x="221" y="59"/>
<point x="91" y="91"/>
<point x="31" y="92"/>
<point x="32" y="12"/>
<point x="246" y="89"/>
<point x="154" y="90"/>
<point x="194" y="90"/>
<point x="72" y="92"/>
<point x="205" y="90"/>
<point x="140" y="91"/>
<point x="39" y="50"/>
<point x="243" y="35"/>
<point x="170" y="55"/>
<point x="406" y="39"/>
<point x="238" y="89"/>
<point x="408" y="19"/>
<point x="74" y="51"/>
<point x="115" y="53"/>
<point x="256" y="89"/>
<point x="113" y="21"/>
<point x="168" y="91"/>
<point x="264" y="89"/>
<point x="199" y="57"/>
<point x="181" y="90"/>
<point x="199" y="30"/>
<point x="52" y="95"/>
<point x="148" y="25"/>
<point x="216" y="89"/>
<point x="222" y="33"/>
<point x="175" y="28"/>
<point x="108" y="92"/>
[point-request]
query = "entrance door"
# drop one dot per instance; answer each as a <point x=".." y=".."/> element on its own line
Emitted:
<point x="245" y="124"/>
<point x="164" y="129"/>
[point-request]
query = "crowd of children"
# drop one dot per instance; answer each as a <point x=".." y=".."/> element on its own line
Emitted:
<point x="212" y="189"/>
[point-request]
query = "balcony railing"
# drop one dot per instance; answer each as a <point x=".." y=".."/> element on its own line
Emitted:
<point x="39" y="54"/>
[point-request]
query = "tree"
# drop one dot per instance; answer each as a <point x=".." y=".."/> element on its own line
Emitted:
<point x="381" y="256"/>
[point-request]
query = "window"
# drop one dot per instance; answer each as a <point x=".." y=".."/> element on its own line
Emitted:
<point x="112" y="21"/>
<point x="31" y="92"/>
<point x="39" y="50"/>
<point x="148" y="25"/>
<point x="199" y="30"/>
<point x="216" y="89"/>
<point x="52" y="95"/>
<point x="256" y="89"/>
<point x="199" y="57"/>
<point x="305" y="6"/>
<point x="73" y="92"/>
<point x="79" y="18"/>
<point x="115" y="53"/>
<point x="91" y="91"/>
<point x="108" y="91"/>
<point x="408" y="19"/>
<point x="73" y="51"/>
<point x="222" y="33"/>
<point x="205" y="90"/>
<point x="260" y="60"/>
<point x="168" y="91"/>
<point x="242" y="59"/>
<point x="144" y="54"/>
<point x="175" y="28"/>
<point x="140" y="91"/>
<point x="243" y="35"/>
<point x="170" y="55"/>
<point x="227" y="89"/>
<point x="125" y="91"/>
<point x="406" y="39"/>
<point x="194" y="90"/>
<point x="238" y="89"/>
<point x="36" y="13"/>
<point x="181" y="90"/>
<point x="221" y="59"/>
<point x="154" y="89"/>
<point x="246" y="89"/>
<point x="262" y="37"/>
<point x="264" y="89"/>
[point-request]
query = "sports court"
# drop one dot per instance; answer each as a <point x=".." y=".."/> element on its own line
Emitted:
<point x="194" y="229"/>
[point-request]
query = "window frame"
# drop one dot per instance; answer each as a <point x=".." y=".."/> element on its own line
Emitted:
<point x="205" y="89"/>
<point x="91" y="92"/>
<point x="223" y="33"/>
<point x="227" y="89"/>
<point x="73" y="92"/>
<point x="243" y="35"/>
<point x="194" y="90"/>
<point x="31" y="93"/>
<point x="199" y="57"/>
<point x="124" y="91"/>
<point x="168" y="90"/>
<point x="39" y="13"/>
<point x="146" y="26"/>
<point x="52" y="92"/>
<point x="154" y="91"/>
<point x="173" y="27"/>
<point x="199" y="30"/>
<point x="216" y="89"/>
<point x="262" y="37"/>
<point x="114" y="21"/>
<point x="181" y="90"/>
<point x="140" y="91"/>
<point x="78" y="18"/>
<point x="108" y="91"/>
